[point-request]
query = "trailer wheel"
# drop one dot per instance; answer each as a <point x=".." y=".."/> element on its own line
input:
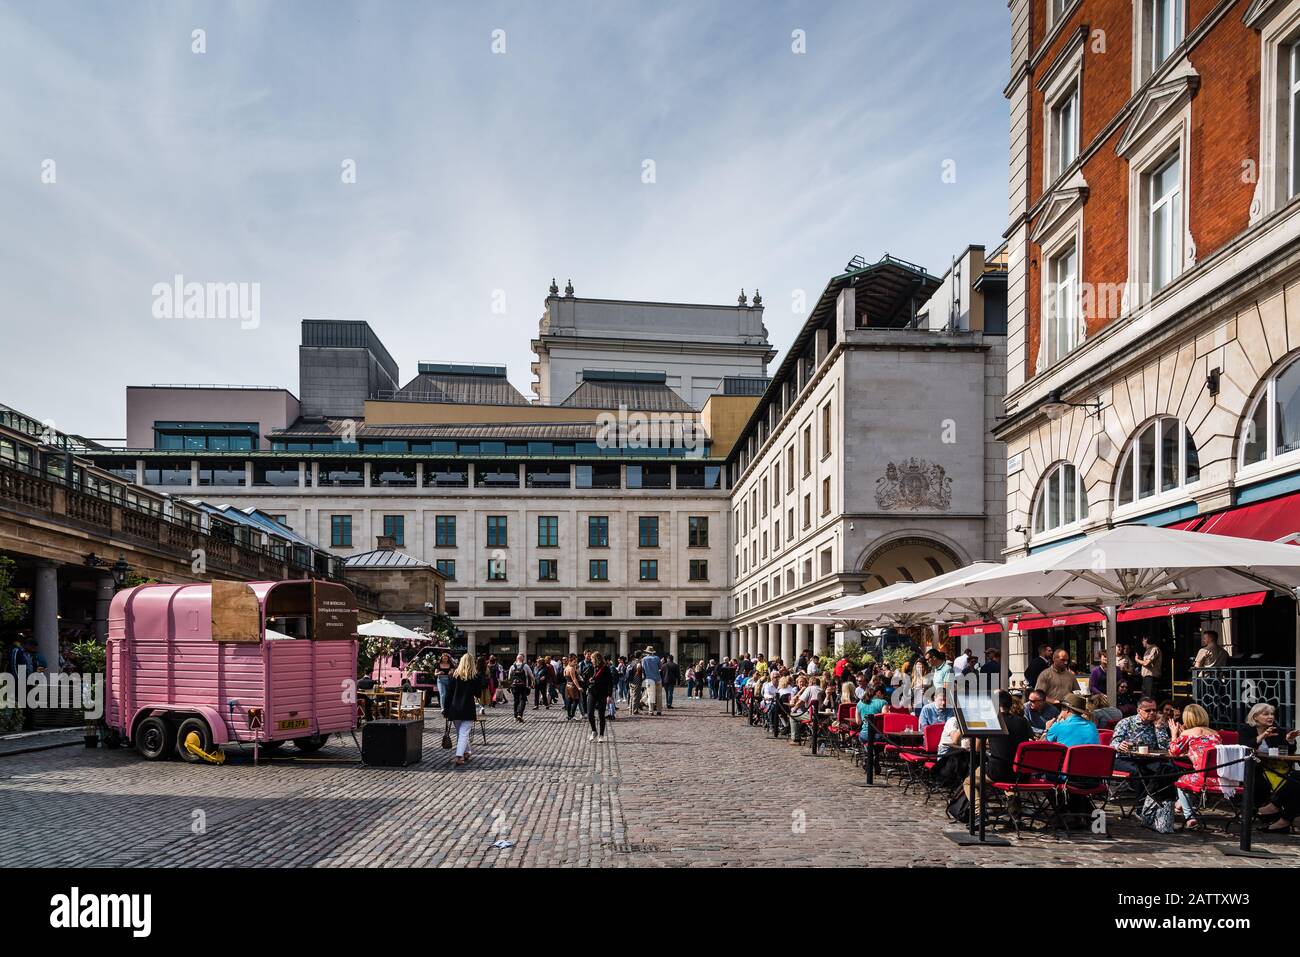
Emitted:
<point x="155" y="738"/>
<point x="314" y="743"/>
<point x="197" y="726"/>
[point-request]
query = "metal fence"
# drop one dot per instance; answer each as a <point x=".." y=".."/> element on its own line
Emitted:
<point x="1228" y="694"/>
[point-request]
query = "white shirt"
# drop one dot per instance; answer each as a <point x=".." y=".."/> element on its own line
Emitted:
<point x="959" y="665"/>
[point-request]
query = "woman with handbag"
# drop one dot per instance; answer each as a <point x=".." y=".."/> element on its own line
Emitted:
<point x="572" y="687"/>
<point x="460" y="705"/>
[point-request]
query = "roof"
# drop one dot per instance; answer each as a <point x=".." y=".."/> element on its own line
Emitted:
<point x="254" y="518"/>
<point x="473" y="385"/>
<point x="385" y="558"/>
<point x="886" y="294"/>
<point x="639" y="396"/>
<point x="476" y="430"/>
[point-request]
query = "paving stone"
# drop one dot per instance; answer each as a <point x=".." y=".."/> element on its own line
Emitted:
<point x="694" y="787"/>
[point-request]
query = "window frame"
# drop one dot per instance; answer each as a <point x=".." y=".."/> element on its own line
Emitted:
<point x="1131" y="460"/>
<point x="1038" y="503"/>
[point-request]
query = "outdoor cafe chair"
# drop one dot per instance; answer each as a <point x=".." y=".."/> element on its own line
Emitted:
<point x="1037" y="766"/>
<point x="843" y="729"/>
<point x="919" y="761"/>
<point x="1207" y="793"/>
<point x="1087" y="770"/>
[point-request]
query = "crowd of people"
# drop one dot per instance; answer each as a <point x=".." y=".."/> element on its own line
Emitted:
<point x="1162" y="750"/>
<point x="644" y="683"/>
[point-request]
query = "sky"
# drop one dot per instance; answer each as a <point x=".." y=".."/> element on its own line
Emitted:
<point x="430" y="166"/>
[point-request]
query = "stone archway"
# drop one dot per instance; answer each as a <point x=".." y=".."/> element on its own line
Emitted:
<point x="912" y="558"/>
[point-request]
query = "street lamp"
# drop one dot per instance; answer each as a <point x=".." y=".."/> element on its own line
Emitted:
<point x="1055" y="406"/>
<point x="119" y="569"/>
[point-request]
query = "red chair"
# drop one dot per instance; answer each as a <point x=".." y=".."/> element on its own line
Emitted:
<point x="918" y="761"/>
<point x="1206" y="792"/>
<point x="893" y="723"/>
<point x="1037" y="765"/>
<point x="1088" y="769"/>
<point x="844" y="727"/>
<point x="1229" y="737"/>
<point x="1105" y="735"/>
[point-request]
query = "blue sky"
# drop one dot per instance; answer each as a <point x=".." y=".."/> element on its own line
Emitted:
<point x="479" y="175"/>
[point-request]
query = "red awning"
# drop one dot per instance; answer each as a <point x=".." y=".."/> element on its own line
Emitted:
<point x="974" y="628"/>
<point x="1060" y="621"/>
<point x="1207" y="604"/>
<point x="1275" y="520"/>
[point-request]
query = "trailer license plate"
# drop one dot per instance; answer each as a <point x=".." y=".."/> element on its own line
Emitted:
<point x="293" y="725"/>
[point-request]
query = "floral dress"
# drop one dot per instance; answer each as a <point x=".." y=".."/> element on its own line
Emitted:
<point x="1197" y="749"/>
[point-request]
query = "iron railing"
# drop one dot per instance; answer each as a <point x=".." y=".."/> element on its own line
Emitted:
<point x="1229" y="693"/>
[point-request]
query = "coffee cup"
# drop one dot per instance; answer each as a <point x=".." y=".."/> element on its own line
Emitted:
<point x="1144" y="749"/>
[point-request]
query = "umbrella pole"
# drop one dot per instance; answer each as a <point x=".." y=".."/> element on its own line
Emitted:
<point x="1004" y="657"/>
<point x="1112" y="650"/>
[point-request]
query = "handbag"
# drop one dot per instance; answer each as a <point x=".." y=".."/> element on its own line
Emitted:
<point x="446" y="737"/>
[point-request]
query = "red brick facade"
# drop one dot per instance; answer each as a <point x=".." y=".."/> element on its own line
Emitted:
<point x="1224" y="135"/>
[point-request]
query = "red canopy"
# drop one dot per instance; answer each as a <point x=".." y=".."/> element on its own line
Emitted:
<point x="1207" y="604"/>
<point x="974" y="628"/>
<point x="1275" y="520"/>
<point x="1059" y="621"/>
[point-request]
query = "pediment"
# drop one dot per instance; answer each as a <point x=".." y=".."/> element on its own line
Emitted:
<point x="1156" y="104"/>
<point x="1258" y="12"/>
<point x="1060" y="203"/>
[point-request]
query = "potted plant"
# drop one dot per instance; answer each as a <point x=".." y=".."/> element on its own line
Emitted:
<point x="89" y="655"/>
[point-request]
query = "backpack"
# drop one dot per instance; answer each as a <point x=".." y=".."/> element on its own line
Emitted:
<point x="518" y="677"/>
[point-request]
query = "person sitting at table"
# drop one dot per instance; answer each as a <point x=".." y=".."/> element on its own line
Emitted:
<point x="936" y="711"/>
<point x="1150" y="780"/>
<point x="1001" y="748"/>
<point x="1277" y="779"/>
<point x="778" y="709"/>
<point x="1126" y="696"/>
<point x="1073" y="725"/>
<point x="1194" y="739"/>
<point x="1103" y="712"/>
<point x="1038" y="712"/>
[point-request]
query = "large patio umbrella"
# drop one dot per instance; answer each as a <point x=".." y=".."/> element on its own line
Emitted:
<point x="384" y="628"/>
<point x="904" y="606"/>
<point x="1129" y="565"/>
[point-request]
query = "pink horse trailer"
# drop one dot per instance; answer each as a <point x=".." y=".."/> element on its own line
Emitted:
<point x="260" y="663"/>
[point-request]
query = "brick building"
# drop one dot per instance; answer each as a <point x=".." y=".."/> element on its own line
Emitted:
<point x="1153" y="321"/>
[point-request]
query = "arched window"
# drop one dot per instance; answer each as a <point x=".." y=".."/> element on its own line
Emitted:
<point x="1160" y="458"/>
<point x="1061" y="500"/>
<point x="1272" y="427"/>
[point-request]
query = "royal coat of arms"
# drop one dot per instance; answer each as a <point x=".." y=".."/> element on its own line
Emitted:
<point x="914" y="483"/>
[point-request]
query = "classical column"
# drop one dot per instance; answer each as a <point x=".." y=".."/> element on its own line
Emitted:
<point x="819" y="640"/>
<point x="674" y="646"/>
<point x="523" y="642"/>
<point x="787" y="643"/>
<point x="724" y="642"/>
<point x="573" y="642"/>
<point x="624" y="647"/>
<point x="46" y="614"/>
<point x="773" y="641"/>
<point x="471" y="642"/>
<point x="104" y="588"/>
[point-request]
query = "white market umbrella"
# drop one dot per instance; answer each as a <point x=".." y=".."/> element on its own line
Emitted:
<point x="1129" y="565"/>
<point x="927" y="601"/>
<point x="383" y="628"/>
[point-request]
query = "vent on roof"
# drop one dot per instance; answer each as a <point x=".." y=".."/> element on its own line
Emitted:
<point x="744" y="385"/>
<point x="611" y="375"/>
<point x="453" y="368"/>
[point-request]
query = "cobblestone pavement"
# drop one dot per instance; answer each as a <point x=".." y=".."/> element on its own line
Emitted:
<point x="692" y="788"/>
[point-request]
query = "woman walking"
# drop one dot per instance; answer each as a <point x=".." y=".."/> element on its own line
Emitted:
<point x="460" y="704"/>
<point x="599" y="687"/>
